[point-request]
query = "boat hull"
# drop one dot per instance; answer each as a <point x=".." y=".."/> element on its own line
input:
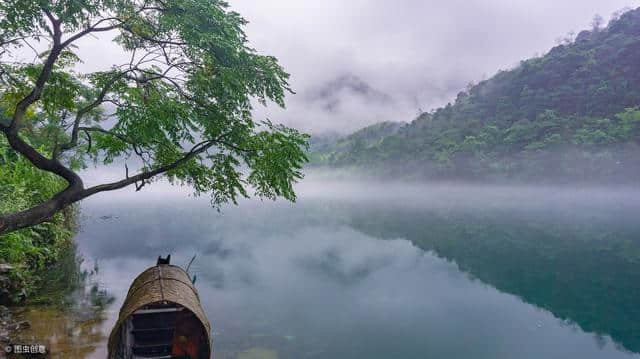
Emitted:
<point x="161" y="318"/>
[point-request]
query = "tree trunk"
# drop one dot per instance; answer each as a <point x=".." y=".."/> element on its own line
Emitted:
<point x="41" y="212"/>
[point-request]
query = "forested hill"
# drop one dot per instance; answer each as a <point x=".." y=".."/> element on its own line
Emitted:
<point x="568" y="114"/>
<point x="364" y="138"/>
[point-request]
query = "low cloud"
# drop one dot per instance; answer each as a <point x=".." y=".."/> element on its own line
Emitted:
<point x="354" y="63"/>
<point x="408" y="55"/>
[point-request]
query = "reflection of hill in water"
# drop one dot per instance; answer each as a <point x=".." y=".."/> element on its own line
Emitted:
<point x="267" y="271"/>
<point x="583" y="267"/>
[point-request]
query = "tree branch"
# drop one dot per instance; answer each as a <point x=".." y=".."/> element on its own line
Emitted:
<point x="166" y="48"/>
<point x="39" y="213"/>
<point x="45" y="210"/>
<point x="36" y="92"/>
<point x="136" y="147"/>
<point x="83" y="111"/>
<point x="38" y="160"/>
<point x="196" y="150"/>
<point x="87" y="31"/>
<point x="75" y="192"/>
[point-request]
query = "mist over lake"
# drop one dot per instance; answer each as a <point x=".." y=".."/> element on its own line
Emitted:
<point x="390" y="270"/>
<point x="308" y="180"/>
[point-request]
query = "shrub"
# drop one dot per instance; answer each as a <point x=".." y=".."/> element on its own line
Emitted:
<point x="32" y="249"/>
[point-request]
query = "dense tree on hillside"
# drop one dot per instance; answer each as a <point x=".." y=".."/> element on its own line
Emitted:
<point x="181" y="105"/>
<point x="578" y="99"/>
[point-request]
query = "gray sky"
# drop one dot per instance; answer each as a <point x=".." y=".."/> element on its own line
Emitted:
<point x="357" y="62"/>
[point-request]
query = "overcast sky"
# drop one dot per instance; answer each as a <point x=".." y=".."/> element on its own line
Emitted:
<point x="357" y="62"/>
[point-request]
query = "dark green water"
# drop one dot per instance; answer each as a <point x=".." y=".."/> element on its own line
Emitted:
<point x="391" y="271"/>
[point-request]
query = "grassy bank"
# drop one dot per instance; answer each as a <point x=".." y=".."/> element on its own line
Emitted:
<point x="69" y="306"/>
<point x="29" y="252"/>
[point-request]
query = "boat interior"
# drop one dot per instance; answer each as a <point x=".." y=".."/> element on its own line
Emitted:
<point x="162" y="331"/>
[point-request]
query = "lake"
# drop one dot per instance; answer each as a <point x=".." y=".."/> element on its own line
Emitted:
<point x="370" y="270"/>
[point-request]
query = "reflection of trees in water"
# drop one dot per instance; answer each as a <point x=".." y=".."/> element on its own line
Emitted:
<point x="69" y="314"/>
<point x="582" y="268"/>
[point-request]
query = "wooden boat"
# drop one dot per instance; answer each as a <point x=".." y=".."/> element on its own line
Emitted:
<point x="161" y="318"/>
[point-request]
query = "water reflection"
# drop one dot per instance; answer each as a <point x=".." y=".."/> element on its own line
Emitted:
<point x="312" y="280"/>
<point x="68" y="316"/>
<point x="576" y="256"/>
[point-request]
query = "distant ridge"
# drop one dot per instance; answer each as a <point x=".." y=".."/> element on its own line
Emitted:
<point x="568" y="114"/>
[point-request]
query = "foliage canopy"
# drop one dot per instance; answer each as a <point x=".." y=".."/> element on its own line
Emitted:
<point x="180" y="106"/>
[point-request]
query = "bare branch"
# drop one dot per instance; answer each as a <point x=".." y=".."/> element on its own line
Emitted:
<point x="21" y="38"/>
<point x="36" y="92"/>
<point x="35" y="52"/>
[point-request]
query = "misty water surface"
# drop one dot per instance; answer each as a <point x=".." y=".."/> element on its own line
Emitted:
<point x="358" y="270"/>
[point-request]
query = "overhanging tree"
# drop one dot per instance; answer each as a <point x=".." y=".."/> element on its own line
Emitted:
<point x="181" y="105"/>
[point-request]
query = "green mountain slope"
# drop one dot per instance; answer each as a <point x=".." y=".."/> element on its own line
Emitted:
<point x="569" y="114"/>
<point x="327" y="149"/>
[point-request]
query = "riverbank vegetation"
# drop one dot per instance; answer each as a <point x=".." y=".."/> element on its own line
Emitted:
<point x="29" y="252"/>
<point x="70" y="305"/>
